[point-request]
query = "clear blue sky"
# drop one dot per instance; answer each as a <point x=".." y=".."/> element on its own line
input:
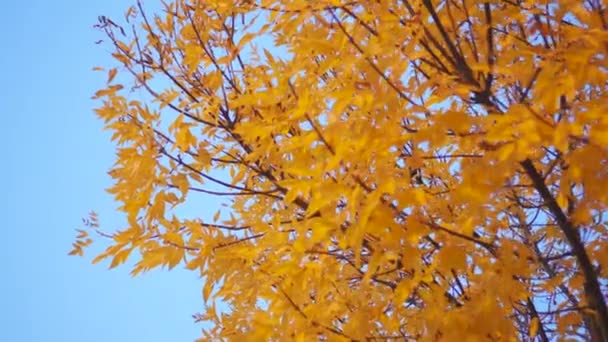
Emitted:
<point x="53" y="167"/>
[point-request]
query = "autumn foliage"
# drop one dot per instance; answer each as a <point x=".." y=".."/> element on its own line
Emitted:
<point x="394" y="170"/>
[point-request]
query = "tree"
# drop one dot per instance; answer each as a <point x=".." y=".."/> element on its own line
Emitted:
<point x="408" y="169"/>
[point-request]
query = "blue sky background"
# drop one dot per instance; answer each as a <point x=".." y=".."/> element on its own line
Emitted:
<point x="53" y="165"/>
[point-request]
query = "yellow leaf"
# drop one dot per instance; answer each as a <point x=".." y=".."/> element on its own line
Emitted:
<point x="76" y="251"/>
<point x="245" y="39"/>
<point x="120" y="257"/>
<point x="111" y="90"/>
<point x="181" y="181"/>
<point x="534" y="324"/>
<point x="111" y="75"/>
<point x="81" y="234"/>
<point x="207" y="288"/>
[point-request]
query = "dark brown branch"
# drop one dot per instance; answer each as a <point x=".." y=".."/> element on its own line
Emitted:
<point x="534" y="315"/>
<point x="592" y="289"/>
<point x="490" y="42"/>
<point x="235" y="242"/>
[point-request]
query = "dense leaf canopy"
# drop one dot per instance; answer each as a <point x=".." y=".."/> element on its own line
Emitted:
<point x="405" y="169"/>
